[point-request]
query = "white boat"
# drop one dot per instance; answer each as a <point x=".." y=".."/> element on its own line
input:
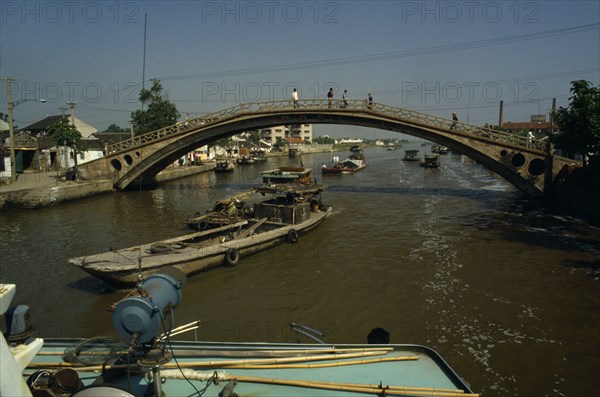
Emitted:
<point x="354" y="163"/>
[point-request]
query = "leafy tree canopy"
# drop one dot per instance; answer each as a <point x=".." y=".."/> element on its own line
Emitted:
<point x="254" y="136"/>
<point x="160" y="112"/>
<point x="580" y="122"/>
<point x="324" y="139"/>
<point x="116" y="128"/>
<point x="64" y="133"/>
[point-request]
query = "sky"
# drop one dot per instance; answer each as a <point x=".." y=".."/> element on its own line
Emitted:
<point x="431" y="56"/>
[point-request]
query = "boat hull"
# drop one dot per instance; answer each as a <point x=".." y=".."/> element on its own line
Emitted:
<point x="340" y="171"/>
<point x="119" y="268"/>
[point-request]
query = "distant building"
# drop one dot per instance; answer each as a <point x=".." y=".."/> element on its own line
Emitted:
<point x="36" y="151"/>
<point x="40" y="128"/>
<point x="350" y="141"/>
<point x="302" y="131"/>
<point x="537" y="124"/>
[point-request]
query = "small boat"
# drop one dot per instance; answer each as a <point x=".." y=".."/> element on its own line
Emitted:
<point x="245" y="159"/>
<point x="439" y="149"/>
<point x="392" y="147"/>
<point x="287" y="175"/>
<point x="258" y="156"/>
<point x="224" y="166"/>
<point x="430" y="161"/>
<point x="276" y="220"/>
<point x="354" y="163"/>
<point x="143" y="358"/>
<point x="411" y="155"/>
<point x="294" y="152"/>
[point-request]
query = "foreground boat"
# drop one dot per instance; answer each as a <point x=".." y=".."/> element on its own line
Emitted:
<point x="146" y="361"/>
<point x="276" y="220"/>
<point x="354" y="163"/>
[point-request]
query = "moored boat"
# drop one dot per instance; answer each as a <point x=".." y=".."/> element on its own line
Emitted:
<point x="224" y="166"/>
<point x="245" y="159"/>
<point x="147" y="361"/>
<point x="276" y="220"/>
<point x="439" y="149"/>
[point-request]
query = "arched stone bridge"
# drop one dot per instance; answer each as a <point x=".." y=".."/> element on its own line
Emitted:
<point x="527" y="165"/>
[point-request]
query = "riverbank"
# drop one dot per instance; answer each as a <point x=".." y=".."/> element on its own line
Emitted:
<point x="44" y="189"/>
<point x="579" y="193"/>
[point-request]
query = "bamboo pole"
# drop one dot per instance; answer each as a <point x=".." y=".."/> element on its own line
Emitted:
<point x="335" y="386"/>
<point x="324" y="365"/>
<point x="390" y="391"/>
<point x="221" y="363"/>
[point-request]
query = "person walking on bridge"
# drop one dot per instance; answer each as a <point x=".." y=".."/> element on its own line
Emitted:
<point x="454" y="121"/>
<point x="295" y="98"/>
<point x="330" y="97"/>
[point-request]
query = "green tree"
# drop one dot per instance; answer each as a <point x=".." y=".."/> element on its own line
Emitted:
<point x="160" y="113"/>
<point x="65" y="134"/>
<point x="579" y="123"/>
<point x="254" y="136"/>
<point x="115" y="128"/>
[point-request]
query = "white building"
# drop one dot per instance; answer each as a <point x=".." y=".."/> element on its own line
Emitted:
<point x="303" y="131"/>
<point x="350" y="141"/>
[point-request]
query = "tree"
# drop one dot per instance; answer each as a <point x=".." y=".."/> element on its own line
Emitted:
<point x="65" y="134"/>
<point x="254" y="136"/>
<point x="115" y="128"/>
<point x="579" y="123"/>
<point x="160" y="113"/>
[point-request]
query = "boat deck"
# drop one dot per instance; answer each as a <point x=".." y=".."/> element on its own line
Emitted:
<point x="290" y="370"/>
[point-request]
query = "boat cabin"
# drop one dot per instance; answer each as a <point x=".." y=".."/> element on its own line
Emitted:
<point x="411" y="155"/>
<point x="280" y="210"/>
<point x="287" y="175"/>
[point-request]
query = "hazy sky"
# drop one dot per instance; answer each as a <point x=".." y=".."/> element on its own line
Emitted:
<point x="435" y="57"/>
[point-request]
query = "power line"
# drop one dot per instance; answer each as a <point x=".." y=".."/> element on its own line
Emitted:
<point x="390" y="55"/>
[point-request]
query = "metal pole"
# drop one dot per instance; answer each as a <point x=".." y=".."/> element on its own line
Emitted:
<point x="11" y="131"/>
<point x="501" y="115"/>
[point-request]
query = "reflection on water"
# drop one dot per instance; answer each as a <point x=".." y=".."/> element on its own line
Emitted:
<point x="453" y="258"/>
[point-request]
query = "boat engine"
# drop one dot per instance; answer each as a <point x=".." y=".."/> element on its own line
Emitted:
<point x="143" y="314"/>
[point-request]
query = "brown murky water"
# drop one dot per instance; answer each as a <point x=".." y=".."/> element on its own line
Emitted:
<point x="455" y="259"/>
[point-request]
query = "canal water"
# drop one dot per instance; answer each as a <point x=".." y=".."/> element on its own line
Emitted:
<point x="455" y="259"/>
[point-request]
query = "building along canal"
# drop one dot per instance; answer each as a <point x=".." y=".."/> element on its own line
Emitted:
<point x="455" y="258"/>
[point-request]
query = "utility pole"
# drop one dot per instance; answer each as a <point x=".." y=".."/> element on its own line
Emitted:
<point x="71" y="105"/>
<point x="11" y="128"/>
<point x="501" y="115"/>
<point x="11" y="131"/>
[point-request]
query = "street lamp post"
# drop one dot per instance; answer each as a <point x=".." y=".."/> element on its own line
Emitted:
<point x="11" y="105"/>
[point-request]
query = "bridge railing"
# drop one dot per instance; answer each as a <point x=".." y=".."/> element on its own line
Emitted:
<point x="335" y="106"/>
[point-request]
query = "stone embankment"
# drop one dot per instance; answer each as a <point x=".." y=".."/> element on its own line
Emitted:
<point x="36" y="190"/>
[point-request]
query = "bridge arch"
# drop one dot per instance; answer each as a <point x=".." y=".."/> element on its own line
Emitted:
<point x="525" y="164"/>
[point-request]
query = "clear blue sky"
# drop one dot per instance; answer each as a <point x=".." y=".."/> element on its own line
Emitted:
<point x="436" y="57"/>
